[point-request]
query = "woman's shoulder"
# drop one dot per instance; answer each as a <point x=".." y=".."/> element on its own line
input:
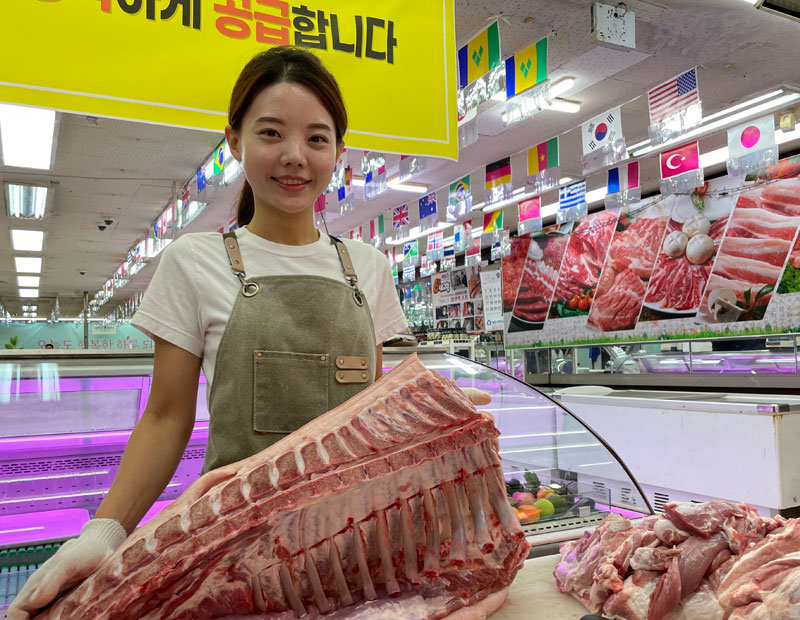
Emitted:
<point x="364" y="251"/>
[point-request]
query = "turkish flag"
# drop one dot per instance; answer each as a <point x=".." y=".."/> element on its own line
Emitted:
<point x="679" y="160"/>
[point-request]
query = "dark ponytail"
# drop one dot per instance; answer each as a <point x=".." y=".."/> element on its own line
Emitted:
<point x="282" y="64"/>
<point x="246" y="208"/>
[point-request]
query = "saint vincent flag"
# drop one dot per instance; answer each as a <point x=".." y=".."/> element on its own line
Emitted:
<point x="543" y="156"/>
<point x="498" y="173"/>
<point x="479" y="56"/>
<point x="492" y="221"/>
<point x="526" y="68"/>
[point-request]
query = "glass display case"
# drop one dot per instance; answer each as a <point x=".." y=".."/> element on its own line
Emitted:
<point x="66" y="418"/>
<point x="547" y="452"/>
<point x="742" y="361"/>
<point x="417" y="302"/>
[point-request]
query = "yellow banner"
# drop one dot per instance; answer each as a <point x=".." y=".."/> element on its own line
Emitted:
<point x="175" y="61"/>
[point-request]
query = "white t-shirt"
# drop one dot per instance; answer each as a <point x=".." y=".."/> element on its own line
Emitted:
<point x="192" y="293"/>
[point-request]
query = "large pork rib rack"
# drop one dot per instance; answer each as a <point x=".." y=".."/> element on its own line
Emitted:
<point x="389" y="506"/>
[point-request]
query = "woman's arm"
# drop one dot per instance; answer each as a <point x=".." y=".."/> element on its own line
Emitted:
<point x="159" y="439"/>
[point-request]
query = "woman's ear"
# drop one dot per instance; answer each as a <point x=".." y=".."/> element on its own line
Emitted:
<point x="233" y="142"/>
<point x="339" y="150"/>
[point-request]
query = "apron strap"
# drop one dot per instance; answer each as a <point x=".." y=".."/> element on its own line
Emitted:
<point x="237" y="265"/>
<point x="344" y="259"/>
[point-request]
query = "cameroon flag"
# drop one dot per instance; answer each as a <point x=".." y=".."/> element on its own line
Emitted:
<point x="543" y="156"/>
<point x="526" y="68"/>
<point x="498" y="173"/>
<point x="479" y="56"/>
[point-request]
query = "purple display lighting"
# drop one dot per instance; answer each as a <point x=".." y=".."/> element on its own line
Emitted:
<point x="40" y="526"/>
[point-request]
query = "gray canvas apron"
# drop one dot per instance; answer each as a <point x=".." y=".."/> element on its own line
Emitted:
<point x="293" y="348"/>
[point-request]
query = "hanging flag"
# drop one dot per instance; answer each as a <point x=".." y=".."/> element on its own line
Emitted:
<point x="472" y="246"/>
<point x="185" y="197"/>
<point x="673" y="96"/>
<point x="459" y="200"/>
<point x="435" y="248"/>
<point x="680" y="169"/>
<point x="201" y="180"/>
<point x="376" y="228"/>
<point x="480" y="55"/>
<point x="530" y="208"/>
<point x="572" y="195"/>
<point x="498" y="173"/>
<point x="492" y="222"/>
<point x="751" y="137"/>
<point x="602" y="130"/>
<point x="623" y="178"/>
<point x="680" y="160"/>
<point x="411" y="249"/>
<point x="458" y="238"/>
<point x="526" y="68"/>
<point x="427" y="206"/>
<point x="400" y="217"/>
<point x="543" y="156"/>
<point x="410" y="165"/>
<point x="448" y="260"/>
<point x="347" y="181"/>
<point x="219" y="160"/>
<point x="356" y="234"/>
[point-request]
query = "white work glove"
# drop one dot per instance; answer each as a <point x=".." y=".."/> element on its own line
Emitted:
<point x="478" y="397"/>
<point x="72" y="563"/>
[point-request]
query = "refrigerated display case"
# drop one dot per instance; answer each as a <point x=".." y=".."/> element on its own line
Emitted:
<point x="699" y="446"/>
<point x="740" y="362"/>
<point x="66" y="418"/>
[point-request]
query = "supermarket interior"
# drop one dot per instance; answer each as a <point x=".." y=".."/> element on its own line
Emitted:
<point x="592" y="214"/>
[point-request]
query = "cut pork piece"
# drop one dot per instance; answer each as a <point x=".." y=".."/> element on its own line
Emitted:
<point x="760" y="223"/>
<point x="772" y="251"/>
<point x="619" y="306"/>
<point x="392" y="503"/>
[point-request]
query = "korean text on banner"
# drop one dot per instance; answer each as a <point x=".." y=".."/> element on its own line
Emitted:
<point x="147" y="48"/>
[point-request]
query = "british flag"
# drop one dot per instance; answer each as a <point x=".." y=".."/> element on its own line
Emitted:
<point x="399" y="217"/>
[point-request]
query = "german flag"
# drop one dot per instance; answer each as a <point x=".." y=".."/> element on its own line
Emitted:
<point x="498" y="173"/>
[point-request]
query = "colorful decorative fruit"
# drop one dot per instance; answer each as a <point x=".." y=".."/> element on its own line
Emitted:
<point x="545" y="492"/>
<point x="545" y="506"/>
<point x="524" y="498"/>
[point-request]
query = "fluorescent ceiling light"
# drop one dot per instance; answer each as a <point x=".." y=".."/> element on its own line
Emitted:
<point x="29" y="308"/>
<point x="26" y="201"/>
<point x="500" y="95"/>
<point x="28" y="264"/>
<point x="32" y="281"/>
<point x="27" y="240"/>
<point x="562" y="86"/>
<point x="416" y="233"/>
<point x="357" y="182"/>
<point x="720" y="122"/>
<point x="27" y="136"/>
<point x="29" y="292"/>
<point x="417" y="188"/>
<point x="564" y="105"/>
<point x="596" y="195"/>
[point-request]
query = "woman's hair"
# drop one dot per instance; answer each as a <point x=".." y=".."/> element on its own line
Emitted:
<point x="276" y="65"/>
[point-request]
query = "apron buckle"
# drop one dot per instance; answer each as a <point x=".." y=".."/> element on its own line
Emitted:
<point x="249" y="289"/>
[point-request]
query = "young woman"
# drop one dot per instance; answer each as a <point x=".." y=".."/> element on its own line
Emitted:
<point x="268" y="312"/>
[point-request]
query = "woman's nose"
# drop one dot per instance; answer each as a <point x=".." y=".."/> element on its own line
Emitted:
<point x="293" y="153"/>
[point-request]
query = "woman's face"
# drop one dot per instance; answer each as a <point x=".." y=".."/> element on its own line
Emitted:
<point x="287" y="147"/>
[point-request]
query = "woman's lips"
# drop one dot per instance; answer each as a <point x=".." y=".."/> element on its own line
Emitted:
<point x="292" y="186"/>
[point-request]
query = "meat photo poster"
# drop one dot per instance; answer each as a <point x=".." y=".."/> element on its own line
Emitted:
<point x="750" y="262"/>
<point x="629" y="265"/>
<point x="457" y="301"/>
<point x="790" y="281"/>
<point x="694" y="233"/>
<point x="583" y="260"/>
<point x="538" y="279"/>
<point x="512" y="266"/>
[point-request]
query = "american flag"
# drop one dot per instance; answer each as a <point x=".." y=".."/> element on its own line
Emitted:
<point x="572" y="195"/>
<point x="673" y="96"/>
<point x="399" y="217"/>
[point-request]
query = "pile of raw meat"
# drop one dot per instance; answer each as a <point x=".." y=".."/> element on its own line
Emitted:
<point x="711" y="561"/>
<point x="392" y="505"/>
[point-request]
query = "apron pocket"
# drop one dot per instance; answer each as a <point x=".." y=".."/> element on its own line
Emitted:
<point x="290" y="389"/>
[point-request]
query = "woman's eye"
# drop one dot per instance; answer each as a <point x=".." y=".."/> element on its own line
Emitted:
<point x="319" y="139"/>
<point x="269" y="132"/>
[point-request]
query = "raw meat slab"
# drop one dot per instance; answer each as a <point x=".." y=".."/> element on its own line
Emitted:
<point x="390" y="505"/>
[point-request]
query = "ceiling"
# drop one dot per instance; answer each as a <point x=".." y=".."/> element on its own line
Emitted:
<point x="128" y="172"/>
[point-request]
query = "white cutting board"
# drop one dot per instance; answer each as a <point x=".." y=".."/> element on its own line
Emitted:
<point x="534" y="595"/>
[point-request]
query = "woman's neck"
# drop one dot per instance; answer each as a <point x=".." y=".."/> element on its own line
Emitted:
<point x="284" y="228"/>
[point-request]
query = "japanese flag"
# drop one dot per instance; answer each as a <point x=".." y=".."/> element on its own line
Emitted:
<point x="750" y="137"/>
